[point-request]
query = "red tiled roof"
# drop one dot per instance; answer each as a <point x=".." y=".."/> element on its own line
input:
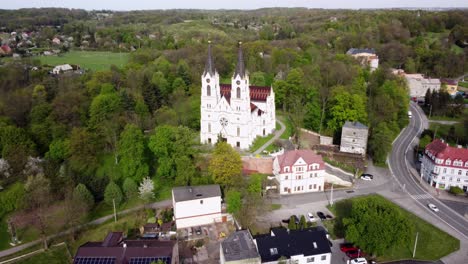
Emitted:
<point x="6" y="48"/>
<point x="442" y="150"/>
<point x="290" y="157"/>
<point x="257" y="93"/>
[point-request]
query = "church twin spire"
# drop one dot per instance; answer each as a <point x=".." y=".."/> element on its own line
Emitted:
<point x="240" y="67"/>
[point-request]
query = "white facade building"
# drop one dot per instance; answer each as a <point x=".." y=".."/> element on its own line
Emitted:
<point x="236" y="112"/>
<point x="196" y="205"/>
<point x="444" y="166"/>
<point x="418" y="85"/>
<point x="297" y="246"/>
<point x="299" y="171"/>
<point x="62" y="68"/>
<point x="354" y="138"/>
<point x="367" y="57"/>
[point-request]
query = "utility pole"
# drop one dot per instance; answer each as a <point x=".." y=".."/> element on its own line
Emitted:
<point x="415" y="244"/>
<point x="331" y="196"/>
<point x="115" y="212"/>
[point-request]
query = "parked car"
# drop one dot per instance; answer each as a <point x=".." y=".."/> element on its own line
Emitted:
<point x="286" y="221"/>
<point x="321" y="216"/>
<point x="344" y="247"/>
<point x="311" y="217"/>
<point x="358" y="261"/>
<point x="329" y="216"/>
<point x="368" y="175"/>
<point x="354" y="253"/>
<point x="366" y="178"/>
<point x="433" y="207"/>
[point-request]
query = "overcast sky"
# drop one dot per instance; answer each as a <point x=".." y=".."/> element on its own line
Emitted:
<point x="230" y="4"/>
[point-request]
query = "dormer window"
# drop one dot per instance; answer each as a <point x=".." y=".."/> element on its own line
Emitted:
<point x="447" y="162"/>
<point x="273" y="251"/>
<point x="286" y="169"/>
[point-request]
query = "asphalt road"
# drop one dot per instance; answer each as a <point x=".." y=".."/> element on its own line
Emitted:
<point x="400" y="169"/>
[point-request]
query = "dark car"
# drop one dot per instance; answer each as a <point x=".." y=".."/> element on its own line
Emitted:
<point x="354" y="254"/>
<point x="345" y="247"/>
<point x="286" y="221"/>
<point x="368" y="175"/>
<point x="321" y="216"/>
<point x="329" y="216"/>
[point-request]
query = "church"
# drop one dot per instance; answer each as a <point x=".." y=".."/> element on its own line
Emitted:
<point x="238" y="112"/>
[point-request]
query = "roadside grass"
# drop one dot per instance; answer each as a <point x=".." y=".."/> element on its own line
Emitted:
<point x="289" y="127"/>
<point x="430" y="246"/>
<point x="25" y="235"/>
<point x="275" y="207"/>
<point x="92" y="60"/>
<point x="4" y="235"/>
<point x="340" y="165"/>
<point x="463" y="84"/>
<point x="55" y="255"/>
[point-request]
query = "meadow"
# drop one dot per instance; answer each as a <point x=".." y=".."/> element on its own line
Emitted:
<point x="90" y="60"/>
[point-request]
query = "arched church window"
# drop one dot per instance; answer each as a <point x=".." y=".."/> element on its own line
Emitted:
<point x="238" y="131"/>
<point x="238" y="93"/>
<point x="208" y="90"/>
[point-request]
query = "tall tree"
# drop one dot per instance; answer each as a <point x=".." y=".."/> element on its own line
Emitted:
<point x="225" y="165"/>
<point x="113" y="194"/>
<point x="131" y="152"/>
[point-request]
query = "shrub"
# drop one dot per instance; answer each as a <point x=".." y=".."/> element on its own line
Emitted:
<point x="456" y="190"/>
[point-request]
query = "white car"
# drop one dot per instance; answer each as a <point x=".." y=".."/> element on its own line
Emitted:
<point x="433" y="207"/>
<point x="358" y="261"/>
<point x="311" y="217"/>
<point x="366" y="178"/>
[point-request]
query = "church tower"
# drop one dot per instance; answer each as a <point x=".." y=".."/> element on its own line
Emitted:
<point x="210" y="96"/>
<point x="240" y="91"/>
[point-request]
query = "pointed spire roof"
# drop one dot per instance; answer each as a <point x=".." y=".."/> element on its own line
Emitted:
<point x="209" y="66"/>
<point x="240" y="67"/>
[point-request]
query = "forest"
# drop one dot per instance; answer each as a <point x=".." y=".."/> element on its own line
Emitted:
<point x="97" y="136"/>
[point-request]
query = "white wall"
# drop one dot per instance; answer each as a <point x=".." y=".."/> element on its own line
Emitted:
<point x="195" y="213"/>
<point x="301" y="259"/>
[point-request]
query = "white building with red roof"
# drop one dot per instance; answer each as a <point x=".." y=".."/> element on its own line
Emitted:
<point x="236" y="112"/>
<point x="299" y="171"/>
<point x="444" y="166"/>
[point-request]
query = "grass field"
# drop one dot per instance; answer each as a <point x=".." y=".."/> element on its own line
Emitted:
<point x="91" y="60"/>
<point x="429" y="242"/>
<point x="4" y="235"/>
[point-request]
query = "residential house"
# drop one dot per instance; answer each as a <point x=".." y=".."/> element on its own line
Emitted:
<point x="294" y="246"/>
<point x="418" y="85"/>
<point x="450" y="85"/>
<point x="354" y="138"/>
<point x="196" y="205"/>
<point x="118" y="250"/>
<point x="444" y="166"/>
<point x="299" y="171"/>
<point x="367" y="57"/>
<point x="62" y="68"/>
<point x="239" y="248"/>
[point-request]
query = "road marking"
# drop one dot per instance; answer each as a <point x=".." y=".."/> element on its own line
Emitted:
<point x="421" y="196"/>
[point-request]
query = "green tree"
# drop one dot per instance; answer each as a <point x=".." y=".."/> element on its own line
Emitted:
<point x="225" y="165"/>
<point x="376" y="225"/>
<point x="234" y="201"/>
<point x="102" y="107"/>
<point x="112" y="193"/>
<point x="183" y="72"/>
<point x="346" y="107"/>
<point x="131" y="152"/>
<point x="302" y="222"/>
<point x="84" y="150"/>
<point x="292" y="223"/>
<point x="81" y="193"/>
<point x="380" y="143"/>
<point x="130" y="188"/>
<point x="255" y="185"/>
<point x="258" y="79"/>
<point x="59" y="150"/>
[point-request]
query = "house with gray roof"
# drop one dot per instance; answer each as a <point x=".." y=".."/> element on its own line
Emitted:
<point x="196" y="205"/>
<point x="239" y="248"/>
<point x="354" y="138"/>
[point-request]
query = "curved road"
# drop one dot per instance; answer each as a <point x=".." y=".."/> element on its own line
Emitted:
<point x="401" y="170"/>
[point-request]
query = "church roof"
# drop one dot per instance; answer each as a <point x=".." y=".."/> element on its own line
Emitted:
<point x="209" y="66"/>
<point x="240" y="67"/>
<point x="257" y="93"/>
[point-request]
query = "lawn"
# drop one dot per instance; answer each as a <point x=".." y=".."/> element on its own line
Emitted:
<point x="429" y="242"/>
<point x="92" y="60"/>
<point x="260" y="141"/>
<point x="289" y="127"/>
<point x="4" y="235"/>
<point x="55" y="255"/>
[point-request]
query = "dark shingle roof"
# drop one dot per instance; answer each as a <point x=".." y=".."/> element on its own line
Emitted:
<point x="286" y="243"/>
<point x="187" y="193"/>
<point x="354" y="51"/>
<point x="209" y="66"/>
<point x="239" y="246"/>
<point x="355" y="124"/>
<point x="240" y="67"/>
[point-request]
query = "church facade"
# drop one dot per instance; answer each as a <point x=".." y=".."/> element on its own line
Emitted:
<point x="238" y="112"/>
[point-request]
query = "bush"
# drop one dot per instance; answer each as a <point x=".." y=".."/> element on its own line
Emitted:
<point x="130" y="188"/>
<point x="456" y="190"/>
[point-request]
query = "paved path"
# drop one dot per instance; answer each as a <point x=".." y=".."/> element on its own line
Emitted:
<point x="10" y="251"/>
<point x="275" y="137"/>
<point x="444" y="122"/>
